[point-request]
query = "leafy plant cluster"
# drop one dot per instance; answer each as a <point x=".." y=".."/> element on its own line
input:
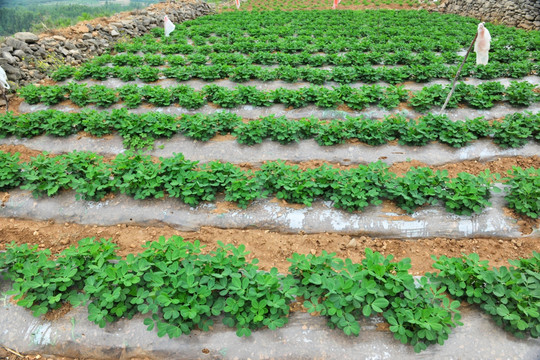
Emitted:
<point x="180" y="289"/>
<point x="137" y="175"/>
<point x="344" y="291"/>
<point x="226" y="39"/>
<point x="323" y="32"/>
<point x="517" y="94"/>
<point x="172" y="282"/>
<point x="483" y="96"/>
<point x="509" y="294"/>
<point x="524" y="192"/>
<point x="346" y="69"/>
<point x="139" y="131"/>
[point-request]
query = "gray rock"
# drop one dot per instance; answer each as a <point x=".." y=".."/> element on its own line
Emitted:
<point x="12" y="72"/>
<point x="63" y="51"/>
<point x="10" y="59"/>
<point x="16" y="44"/>
<point x="69" y="45"/>
<point x="6" y="48"/>
<point x="87" y="36"/>
<point x="27" y="37"/>
<point x="59" y="38"/>
<point x="115" y="33"/>
<point x="4" y="63"/>
<point x="89" y="27"/>
<point x="20" y="54"/>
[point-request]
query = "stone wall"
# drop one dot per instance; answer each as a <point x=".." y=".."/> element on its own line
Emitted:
<point x="519" y="13"/>
<point x="26" y="57"/>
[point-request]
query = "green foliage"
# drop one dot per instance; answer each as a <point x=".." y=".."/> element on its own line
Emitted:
<point x="343" y="291"/>
<point x="187" y="97"/>
<point x="43" y="15"/>
<point x="467" y="194"/>
<point x="136" y="175"/>
<point x="125" y="73"/>
<point x="524" y="193"/>
<point x="252" y="132"/>
<point x="10" y="176"/>
<point x="521" y="93"/>
<point x="417" y="187"/>
<point x="509" y="295"/>
<point x="44" y="175"/>
<point x="290" y="183"/>
<point x="456" y="134"/>
<point x="102" y="95"/>
<point x="63" y="72"/>
<point x="79" y="94"/>
<point x="331" y="133"/>
<point x="52" y="95"/>
<point x="179" y="288"/>
<point x="43" y="284"/>
<point x="148" y="74"/>
<point x="417" y="133"/>
<point x="483" y="96"/>
<point x="156" y="96"/>
<point x="513" y="131"/>
<point x="281" y="129"/>
<point x="199" y="127"/>
<point x="358" y="187"/>
<point x="31" y="94"/>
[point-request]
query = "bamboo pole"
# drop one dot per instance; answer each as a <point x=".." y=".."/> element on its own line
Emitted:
<point x="457" y="75"/>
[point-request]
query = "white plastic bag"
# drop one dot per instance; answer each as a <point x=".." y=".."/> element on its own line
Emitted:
<point x="169" y="26"/>
<point x="482" y="44"/>
<point x="3" y="79"/>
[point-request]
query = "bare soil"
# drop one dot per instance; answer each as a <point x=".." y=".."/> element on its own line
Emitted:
<point x="271" y="248"/>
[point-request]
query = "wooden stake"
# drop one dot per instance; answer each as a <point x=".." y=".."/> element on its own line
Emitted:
<point x="457" y="75"/>
<point x="13" y="352"/>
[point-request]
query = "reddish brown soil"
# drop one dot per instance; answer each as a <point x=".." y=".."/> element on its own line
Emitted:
<point x="272" y="249"/>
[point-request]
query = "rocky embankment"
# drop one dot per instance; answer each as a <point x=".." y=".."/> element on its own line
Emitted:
<point x="27" y="57"/>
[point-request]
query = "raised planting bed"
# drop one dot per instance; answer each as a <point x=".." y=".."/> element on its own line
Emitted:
<point x="180" y="290"/>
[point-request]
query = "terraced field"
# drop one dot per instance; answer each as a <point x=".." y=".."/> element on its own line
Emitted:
<point x="296" y="134"/>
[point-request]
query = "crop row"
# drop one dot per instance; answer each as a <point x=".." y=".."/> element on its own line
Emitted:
<point x="138" y="175"/>
<point x="288" y="73"/>
<point x="201" y="56"/>
<point x="482" y="96"/>
<point x="139" y="131"/>
<point x="324" y="32"/>
<point x="180" y="289"/>
<point x="310" y="45"/>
